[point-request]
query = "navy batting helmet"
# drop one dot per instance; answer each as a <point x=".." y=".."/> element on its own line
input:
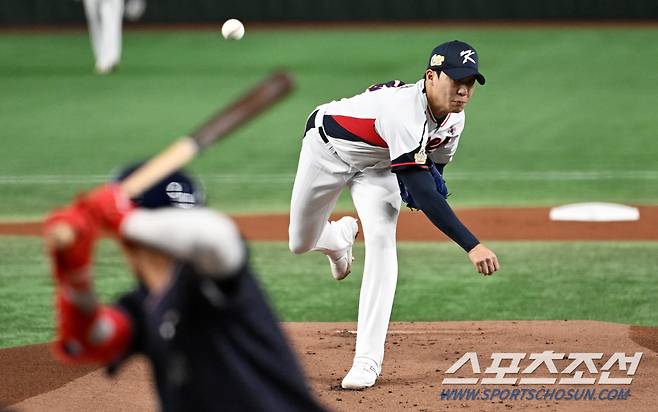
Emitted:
<point x="176" y="190"/>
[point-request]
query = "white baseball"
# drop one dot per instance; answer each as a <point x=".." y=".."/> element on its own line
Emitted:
<point x="233" y="29"/>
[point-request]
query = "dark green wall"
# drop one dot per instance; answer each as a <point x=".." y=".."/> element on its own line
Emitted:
<point x="69" y="11"/>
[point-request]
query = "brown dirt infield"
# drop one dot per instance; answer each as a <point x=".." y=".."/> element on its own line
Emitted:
<point x="417" y="353"/>
<point x="487" y="223"/>
<point x="417" y="356"/>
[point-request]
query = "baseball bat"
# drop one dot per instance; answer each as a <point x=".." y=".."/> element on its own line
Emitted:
<point x="259" y="98"/>
<point x="183" y="150"/>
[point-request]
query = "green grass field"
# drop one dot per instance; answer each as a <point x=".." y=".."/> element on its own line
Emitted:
<point x="542" y="280"/>
<point x="566" y="115"/>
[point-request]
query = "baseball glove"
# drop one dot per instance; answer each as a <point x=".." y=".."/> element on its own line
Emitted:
<point x="438" y="181"/>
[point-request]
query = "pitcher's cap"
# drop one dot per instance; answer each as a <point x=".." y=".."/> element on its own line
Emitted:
<point x="457" y="59"/>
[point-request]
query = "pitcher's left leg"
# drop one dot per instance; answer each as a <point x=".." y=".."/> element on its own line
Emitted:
<point x="377" y="199"/>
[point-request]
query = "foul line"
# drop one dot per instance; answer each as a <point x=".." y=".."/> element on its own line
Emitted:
<point x="248" y="178"/>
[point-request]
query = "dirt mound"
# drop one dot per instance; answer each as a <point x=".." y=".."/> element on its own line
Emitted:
<point x="417" y="356"/>
<point x="27" y="371"/>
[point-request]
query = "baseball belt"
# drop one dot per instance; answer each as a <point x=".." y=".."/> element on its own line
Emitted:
<point x="310" y="124"/>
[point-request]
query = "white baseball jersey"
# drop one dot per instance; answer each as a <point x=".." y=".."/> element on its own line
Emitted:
<point x="387" y="128"/>
<point x="390" y="124"/>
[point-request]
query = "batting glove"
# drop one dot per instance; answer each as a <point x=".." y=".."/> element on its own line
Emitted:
<point x="71" y="264"/>
<point x="109" y="205"/>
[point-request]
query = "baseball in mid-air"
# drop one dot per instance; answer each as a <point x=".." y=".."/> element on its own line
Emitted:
<point x="233" y="29"/>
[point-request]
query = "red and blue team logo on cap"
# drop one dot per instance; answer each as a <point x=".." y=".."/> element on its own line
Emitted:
<point x="456" y="59"/>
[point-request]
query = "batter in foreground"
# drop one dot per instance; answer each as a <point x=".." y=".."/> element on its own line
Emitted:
<point x="197" y="312"/>
<point x="411" y="130"/>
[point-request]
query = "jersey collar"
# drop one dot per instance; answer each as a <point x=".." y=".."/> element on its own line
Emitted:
<point x="420" y="86"/>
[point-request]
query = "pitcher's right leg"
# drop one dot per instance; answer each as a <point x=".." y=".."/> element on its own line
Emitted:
<point x="321" y="176"/>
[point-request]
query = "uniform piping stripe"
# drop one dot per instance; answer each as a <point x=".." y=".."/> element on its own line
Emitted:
<point x="445" y="120"/>
<point x="409" y="164"/>
<point x="364" y="129"/>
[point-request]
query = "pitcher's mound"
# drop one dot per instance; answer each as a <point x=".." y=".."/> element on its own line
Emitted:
<point x="417" y="357"/>
<point x="419" y="353"/>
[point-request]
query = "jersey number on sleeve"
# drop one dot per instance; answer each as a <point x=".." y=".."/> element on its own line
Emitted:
<point x="436" y="143"/>
<point x="392" y="83"/>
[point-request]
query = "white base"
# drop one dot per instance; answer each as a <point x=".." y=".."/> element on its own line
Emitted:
<point x="595" y="212"/>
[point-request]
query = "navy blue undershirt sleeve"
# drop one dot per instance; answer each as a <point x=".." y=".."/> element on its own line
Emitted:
<point x="420" y="185"/>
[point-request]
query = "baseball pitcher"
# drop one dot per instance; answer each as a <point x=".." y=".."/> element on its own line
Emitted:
<point x="411" y="130"/>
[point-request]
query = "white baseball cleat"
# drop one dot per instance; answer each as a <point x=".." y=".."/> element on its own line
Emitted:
<point x="342" y="266"/>
<point x="362" y="375"/>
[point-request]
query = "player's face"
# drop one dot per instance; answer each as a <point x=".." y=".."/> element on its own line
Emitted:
<point x="154" y="268"/>
<point x="446" y="95"/>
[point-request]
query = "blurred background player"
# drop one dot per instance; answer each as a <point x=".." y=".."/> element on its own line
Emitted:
<point x="134" y="9"/>
<point x="197" y="314"/>
<point x="411" y="130"/>
<point x="104" y="18"/>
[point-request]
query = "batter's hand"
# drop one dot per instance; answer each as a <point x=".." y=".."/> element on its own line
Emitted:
<point x="109" y="204"/>
<point x="484" y="260"/>
<point x="71" y="263"/>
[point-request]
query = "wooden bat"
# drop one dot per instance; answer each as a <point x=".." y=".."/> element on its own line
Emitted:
<point x="183" y="150"/>
<point x="268" y="92"/>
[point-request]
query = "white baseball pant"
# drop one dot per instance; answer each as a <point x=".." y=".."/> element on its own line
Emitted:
<point x="105" y="18"/>
<point x="321" y="176"/>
